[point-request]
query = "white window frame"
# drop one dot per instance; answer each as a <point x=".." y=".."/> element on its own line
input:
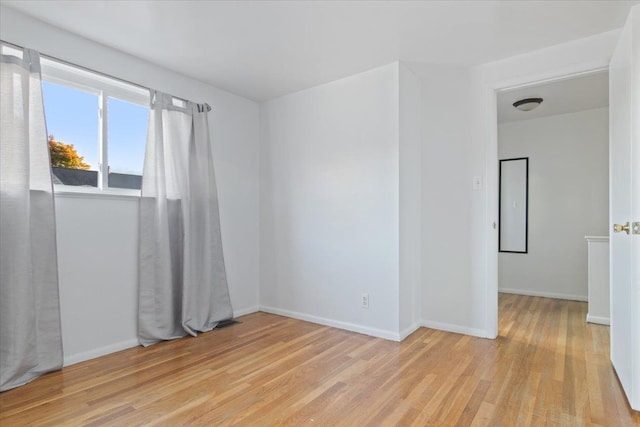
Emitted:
<point x="104" y="87"/>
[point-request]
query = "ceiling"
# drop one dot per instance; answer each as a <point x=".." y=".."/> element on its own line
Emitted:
<point x="570" y="95"/>
<point x="265" y="49"/>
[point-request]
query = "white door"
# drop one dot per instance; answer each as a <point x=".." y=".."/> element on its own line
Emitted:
<point x="624" y="206"/>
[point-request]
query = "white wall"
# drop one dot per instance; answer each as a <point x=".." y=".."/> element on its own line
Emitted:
<point x="330" y="203"/>
<point x="318" y="149"/>
<point x="97" y="261"/>
<point x="446" y="299"/>
<point x="568" y="199"/>
<point x="410" y="226"/>
<point x="98" y="236"/>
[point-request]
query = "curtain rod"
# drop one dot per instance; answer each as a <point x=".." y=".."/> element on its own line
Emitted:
<point x="62" y="61"/>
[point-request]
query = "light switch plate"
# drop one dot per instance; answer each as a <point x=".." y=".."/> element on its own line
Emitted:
<point x="477" y="183"/>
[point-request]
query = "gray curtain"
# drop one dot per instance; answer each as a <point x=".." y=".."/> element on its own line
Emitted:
<point x="30" y="337"/>
<point x="183" y="284"/>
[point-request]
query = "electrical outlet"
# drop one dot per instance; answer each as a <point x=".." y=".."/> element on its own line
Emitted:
<point x="364" y="301"/>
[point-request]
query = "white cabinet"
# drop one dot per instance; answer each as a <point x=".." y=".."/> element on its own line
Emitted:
<point x="598" y="279"/>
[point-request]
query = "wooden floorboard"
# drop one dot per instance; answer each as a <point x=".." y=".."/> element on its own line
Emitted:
<point x="547" y="367"/>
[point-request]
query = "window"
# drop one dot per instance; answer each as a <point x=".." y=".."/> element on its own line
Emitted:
<point x="73" y="134"/>
<point x="127" y="133"/>
<point x="97" y="129"/>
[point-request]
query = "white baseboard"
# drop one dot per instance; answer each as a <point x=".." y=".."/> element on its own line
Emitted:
<point x="598" y="319"/>
<point x="544" y="294"/>
<point x="245" y="311"/>
<point x="408" y="331"/>
<point x="374" y="332"/>
<point x="97" y="352"/>
<point x="123" y="345"/>
<point x="458" y="329"/>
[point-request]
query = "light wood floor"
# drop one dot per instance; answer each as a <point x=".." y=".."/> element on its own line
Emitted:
<point x="548" y="367"/>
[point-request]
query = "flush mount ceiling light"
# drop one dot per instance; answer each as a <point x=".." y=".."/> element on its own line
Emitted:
<point x="527" y="104"/>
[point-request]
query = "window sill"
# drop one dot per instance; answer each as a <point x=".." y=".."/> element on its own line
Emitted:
<point x="68" y="191"/>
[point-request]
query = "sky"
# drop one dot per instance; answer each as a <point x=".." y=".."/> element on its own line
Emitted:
<point x="72" y="117"/>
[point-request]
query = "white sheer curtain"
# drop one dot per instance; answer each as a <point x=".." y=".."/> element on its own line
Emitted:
<point x="183" y="284"/>
<point x="30" y="337"/>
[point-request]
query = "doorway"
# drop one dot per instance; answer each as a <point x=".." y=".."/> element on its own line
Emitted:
<point x="554" y="187"/>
